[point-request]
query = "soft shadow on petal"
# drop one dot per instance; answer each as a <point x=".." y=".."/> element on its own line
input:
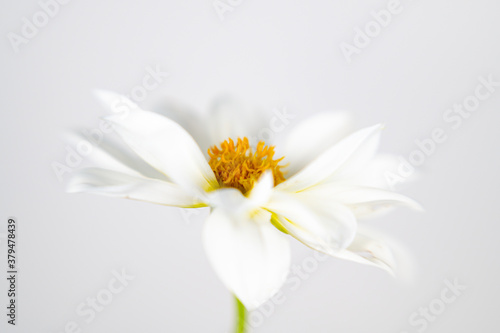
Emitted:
<point x="328" y="229"/>
<point x="166" y="146"/>
<point x="313" y="136"/>
<point x="117" y="184"/>
<point x="348" y="155"/>
<point x="248" y="253"/>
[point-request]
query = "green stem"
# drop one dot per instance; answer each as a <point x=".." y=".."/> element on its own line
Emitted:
<point x="241" y="314"/>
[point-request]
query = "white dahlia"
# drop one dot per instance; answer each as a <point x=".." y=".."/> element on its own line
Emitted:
<point x="321" y="181"/>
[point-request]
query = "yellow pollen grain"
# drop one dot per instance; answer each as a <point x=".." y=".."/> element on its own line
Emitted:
<point x="238" y="166"/>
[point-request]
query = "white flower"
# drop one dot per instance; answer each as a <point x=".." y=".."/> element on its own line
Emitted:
<point x="256" y="201"/>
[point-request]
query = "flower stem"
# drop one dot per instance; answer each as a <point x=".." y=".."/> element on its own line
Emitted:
<point x="241" y="314"/>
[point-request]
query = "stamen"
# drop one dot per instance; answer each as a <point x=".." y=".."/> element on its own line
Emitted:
<point x="239" y="167"/>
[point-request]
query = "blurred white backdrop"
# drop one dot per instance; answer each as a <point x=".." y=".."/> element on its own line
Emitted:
<point x="308" y="57"/>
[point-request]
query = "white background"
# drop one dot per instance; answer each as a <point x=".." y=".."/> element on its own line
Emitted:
<point x="275" y="54"/>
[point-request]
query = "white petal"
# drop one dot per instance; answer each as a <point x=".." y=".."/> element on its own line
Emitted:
<point x="230" y="118"/>
<point x="363" y="201"/>
<point x="366" y="249"/>
<point x="348" y="155"/>
<point x="327" y="229"/>
<point x="115" y="103"/>
<point x="262" y="190"/>
<point x="166" y="146"/>
<point x="230" y="200"/>
<point x="118" y="184"/>
<point x="375" y="172"/>
<point x="385" y="171"/>
<point x="250" y="255"/>
<point x="109" y="152"/>
<point x="379" y="250"/>
<point x="310" y="138"/>
<point x="192" y="121"/>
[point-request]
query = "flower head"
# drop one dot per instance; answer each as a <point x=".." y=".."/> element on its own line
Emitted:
<point x="314" y="187"/>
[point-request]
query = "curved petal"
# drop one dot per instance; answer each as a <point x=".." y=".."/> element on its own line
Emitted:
<point x="229" y="118"/>
<point x="361" y="157"/>
<point x="374" y="174"/>
<point x="313" y="136"/>
<point x="166" y="146"/>
<point x="192" y="121"/>
<point x="327" y="230"/>
<point x="363" y="201"/>
<point x="249" y="254"/>
<point x="122" y="185"/>
<point x="368" y="250"/>
<point x="262" y="189"/>
<point x="379" y="250"/>
<point x="231" y="200"/>
<point x="108" y="152"/>
<point x="382" y="172"/>
<point x="115" y="103"/>
<point x="348" y="155"/>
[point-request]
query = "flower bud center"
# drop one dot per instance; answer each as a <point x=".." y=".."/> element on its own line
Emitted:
<point x="238" y="166"/>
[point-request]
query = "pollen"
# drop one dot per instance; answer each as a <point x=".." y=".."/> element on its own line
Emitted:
<point x="238" y="165"/>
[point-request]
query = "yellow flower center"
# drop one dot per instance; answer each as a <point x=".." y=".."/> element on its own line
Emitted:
<point x="236" y="165"/>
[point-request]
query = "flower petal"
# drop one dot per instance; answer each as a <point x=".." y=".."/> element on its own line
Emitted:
<point x="369" y="251"/>
<point x="363" y="201"/>
<point x="191" y="120"/>
<point x="108" y="152"/>
<point x="249" y="254"/>
<point x="375" y="172"/>
<point x="344" y="157"/>
<point x="379" y="250"/>
<point x="122" y="185"/>
<point x="310" y="138"/>
<point x="326" y="229"/>
<point x="166" y="146"/>
<point x="262" y="189"/>
<point x="115" y="103"/>
<point x="230" y="118"/>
